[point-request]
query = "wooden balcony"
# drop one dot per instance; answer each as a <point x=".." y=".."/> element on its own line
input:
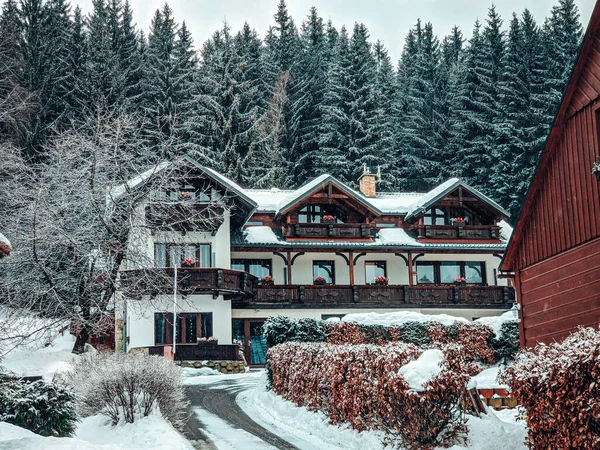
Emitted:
<point x="459" y="231"/>
<point x="329" y="230"/>
<point x="229" y="283"/>
<point x="189" y="216"/>
<point x="375" y="296"/>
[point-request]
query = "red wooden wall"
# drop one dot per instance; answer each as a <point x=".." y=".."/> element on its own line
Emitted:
<point x="555" y="250"/>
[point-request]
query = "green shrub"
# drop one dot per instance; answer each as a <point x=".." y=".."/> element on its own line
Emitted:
<point x="507" y="345"/>
<point x="43" y="408"/>
<point x="415" y="333"/>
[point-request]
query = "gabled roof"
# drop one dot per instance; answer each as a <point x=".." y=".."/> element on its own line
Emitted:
<point x="315" y="185"/>
<point x="441" y="191"/>
<point x="563" y="112"/>
<point x="227" y="184"/>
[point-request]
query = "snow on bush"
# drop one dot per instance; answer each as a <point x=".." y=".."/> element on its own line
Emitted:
<point x="44" y="408"/>
<point x="362" y="385"/>
<point x="126" y="386"/>
<point x="559" y="386"/>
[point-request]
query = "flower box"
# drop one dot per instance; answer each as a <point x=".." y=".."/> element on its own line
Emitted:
<point x="188" y="262"/>
<point x="267" y="281"/>
<point x="458" y="221"/>
<point x="329" y="219"/>
<point x="320" y="281"/>
<point x="460" y="281"/>
<point x="381" y="281"/>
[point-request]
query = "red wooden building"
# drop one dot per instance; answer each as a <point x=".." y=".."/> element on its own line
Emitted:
<point x="554" y="252"/>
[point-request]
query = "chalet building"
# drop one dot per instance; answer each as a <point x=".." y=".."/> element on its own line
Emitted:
<point x="322" y="250"/>
<point x="554" y="253"/>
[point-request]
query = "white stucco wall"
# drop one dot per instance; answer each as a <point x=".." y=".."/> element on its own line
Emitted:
<point x="140" y="316"/>
<point x="397" y="270"/>
<point x="469" y="314"/>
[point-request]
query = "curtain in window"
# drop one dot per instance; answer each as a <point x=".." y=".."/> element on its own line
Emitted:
<point x="160" y="328"/>
<point x="160" y="255"/>
<point x="205" y="255"/>
<point x="190" y="328"/>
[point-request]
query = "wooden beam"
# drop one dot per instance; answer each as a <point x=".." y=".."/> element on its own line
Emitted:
<point x="351" y="267"/>
<point x="289" y="267"/>
<point x="410" y="269"/>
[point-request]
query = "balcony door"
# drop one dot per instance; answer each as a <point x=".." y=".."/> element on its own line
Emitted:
<point x="249" y="332"/>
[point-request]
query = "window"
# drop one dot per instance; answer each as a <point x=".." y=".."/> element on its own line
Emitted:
<point x="169" y="255"/>
<point x="445" y="272"/>
<point x="325" y="269"/>
<point x="190" y="327"/>
<point x="449" y="271"/>
<point x="374" y="270"/>
<point x="425" y="273"/>
<point x="453" y="213"/>
<point x="260" y="268"/>
<point x="435" y="216"/>
<point x="315" y="213"/>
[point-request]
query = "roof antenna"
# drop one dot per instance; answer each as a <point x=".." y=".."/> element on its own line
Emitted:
<point x="379" y="173"/>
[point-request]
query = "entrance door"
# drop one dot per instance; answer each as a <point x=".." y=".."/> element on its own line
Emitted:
<point x="249" y="332"/>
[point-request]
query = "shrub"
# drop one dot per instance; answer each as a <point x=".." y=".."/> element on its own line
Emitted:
<point x="507" y="345"/>
<point x="559" y="386"/>
<point x="360" y="385"/>
<point x="125" y="386"/>
<point x="43" y="408"/>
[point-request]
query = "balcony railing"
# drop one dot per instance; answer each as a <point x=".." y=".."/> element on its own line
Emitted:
<point x="190" y="280"/>
<point x="459" y="231"/>
<point x="328" y="230"/>
<point x="369" y="296"/>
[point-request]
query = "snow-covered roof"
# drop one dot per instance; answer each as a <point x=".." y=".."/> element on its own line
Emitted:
<point x="505" y="230"/>
<point x="135" y="182"/>
<point x="261" y="234"/>
<point x="316" y="184"/>
<point x="436" y="194"/>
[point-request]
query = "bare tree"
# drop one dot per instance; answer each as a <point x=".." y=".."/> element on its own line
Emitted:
<point x="84" y="214"/>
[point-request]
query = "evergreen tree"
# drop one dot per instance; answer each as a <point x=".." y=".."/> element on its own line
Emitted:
<point x="224" y="114"/>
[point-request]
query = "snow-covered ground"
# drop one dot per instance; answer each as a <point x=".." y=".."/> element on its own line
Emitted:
<point x="51" y="353"/>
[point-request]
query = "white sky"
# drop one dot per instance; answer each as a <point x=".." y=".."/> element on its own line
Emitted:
<point x="387" y="20"/>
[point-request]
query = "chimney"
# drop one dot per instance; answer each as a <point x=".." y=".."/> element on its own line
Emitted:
<point x="367" y="183"/>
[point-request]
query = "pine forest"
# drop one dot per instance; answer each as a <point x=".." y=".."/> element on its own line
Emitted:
<point x="307" y="99"/>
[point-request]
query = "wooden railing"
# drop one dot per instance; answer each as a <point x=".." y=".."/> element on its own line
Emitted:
<point x="459" y="231"/>
<point x="328" y="230"/>
<point x="190" y="280"/>
<point x="397" y="296"/>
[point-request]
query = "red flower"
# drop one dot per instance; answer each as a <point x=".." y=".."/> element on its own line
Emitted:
<point x="460" y="280"/>
<point x="319" y="278"/>
<point x="267" y="278"/>
<point x="188" y="262"/>
<point x="184" y="194"/>
<point x="459" y="220"/>
<point x="328" y="218"/>
<point x="381" y="279"/>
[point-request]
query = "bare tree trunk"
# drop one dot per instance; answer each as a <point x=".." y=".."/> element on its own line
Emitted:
<point x="80" y="340"/>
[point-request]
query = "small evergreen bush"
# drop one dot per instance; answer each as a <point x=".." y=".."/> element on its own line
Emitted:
<point x="507" y="345"/>
<point x="43" y="408"/>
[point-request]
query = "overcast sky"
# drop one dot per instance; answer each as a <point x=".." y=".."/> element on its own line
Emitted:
<point x="387" y="20"/>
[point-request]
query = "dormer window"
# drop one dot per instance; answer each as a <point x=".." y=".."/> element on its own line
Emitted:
<point x="435" y="216"/>
<point x="317" y="214"/>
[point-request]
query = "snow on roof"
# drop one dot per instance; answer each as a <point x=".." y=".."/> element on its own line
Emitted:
<point x="260" y="235"/>
<point x="120" y="190"/>
<point x="394" y="202"/>
<point x="505" y="230"/>
<point x="268" y="200"/>
<point x="420" y="204"/>
<point x="426" y="367"/>
<point x="224" y="180"/>
<point x="395" y="236"/>
<point x="4" y="240"/>
<point x="399" y="318"/>
<point x="495" y="322"/>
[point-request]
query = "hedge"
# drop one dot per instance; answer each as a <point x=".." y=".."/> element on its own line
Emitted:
<point x="479" y="340"/>
<point x="360" y="385"/>
<point x="559" y="387"/>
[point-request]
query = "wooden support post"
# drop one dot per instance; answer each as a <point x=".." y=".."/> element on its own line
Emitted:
<point x="351" y="267"/>
<point x="289" y="267"/>
<point x="410" y="269"/>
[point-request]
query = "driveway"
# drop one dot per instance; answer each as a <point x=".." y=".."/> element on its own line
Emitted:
<point x="216" y="421"/>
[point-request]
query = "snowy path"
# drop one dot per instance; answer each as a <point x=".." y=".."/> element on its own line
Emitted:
<point x="217" y="422"/>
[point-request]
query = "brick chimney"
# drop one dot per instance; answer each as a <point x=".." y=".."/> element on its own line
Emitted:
<point x="367" y="183"/>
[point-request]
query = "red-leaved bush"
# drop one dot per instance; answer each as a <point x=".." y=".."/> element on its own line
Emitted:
<point x="360" y="385"/>
<point x="559" y="386"/>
